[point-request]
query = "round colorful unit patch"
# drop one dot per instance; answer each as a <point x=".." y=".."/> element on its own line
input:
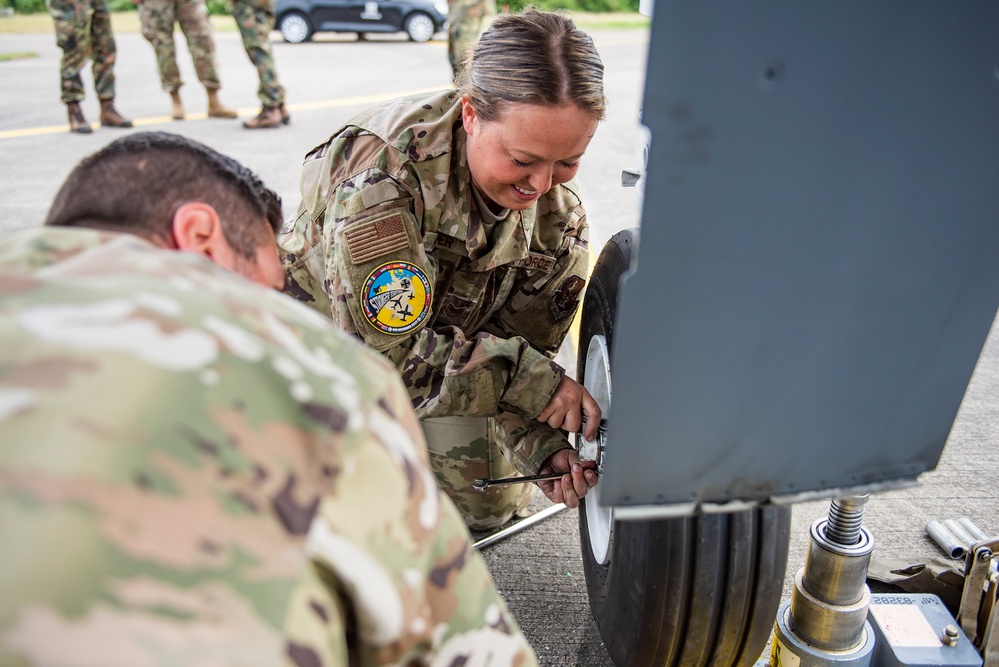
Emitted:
<point x="395" y="298"/>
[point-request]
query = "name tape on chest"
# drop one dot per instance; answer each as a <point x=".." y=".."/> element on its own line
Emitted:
<point x="535" y="261"/>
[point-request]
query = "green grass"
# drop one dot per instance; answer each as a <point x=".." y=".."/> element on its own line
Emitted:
<point x="120" y="22"/>
<point x="610" y="20"/>
<point x="129" y="22"/>
<point x="17" y="55"/>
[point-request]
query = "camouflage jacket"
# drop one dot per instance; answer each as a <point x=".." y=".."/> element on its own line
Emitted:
<point x="389" y="241"/>
<point x="195" y="470"/>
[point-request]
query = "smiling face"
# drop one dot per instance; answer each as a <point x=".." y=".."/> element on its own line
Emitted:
<point x="524" y="152"/>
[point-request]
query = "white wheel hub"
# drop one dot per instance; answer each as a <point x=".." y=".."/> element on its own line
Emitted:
<point x="294" y="28"/>
<point x="597" y="380"/>
<point x="420" y="28"/>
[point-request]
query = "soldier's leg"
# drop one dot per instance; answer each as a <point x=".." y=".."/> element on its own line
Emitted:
<point x="255" y="25"/>
<point x="72" y="28"/>
<point x="467" y="19"/>
<point x="104" y="55"/>
<point x="193" y="18"/>
<point x="157" y="18"/>
<point x="104" y="50"/>
<point x="463" y="449"/>
<point x="452" y="30"/>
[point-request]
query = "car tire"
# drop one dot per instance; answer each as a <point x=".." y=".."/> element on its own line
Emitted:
<point x="295" y="27"/>
<point x="697" y="591"/>
<point x="420" y="27"/>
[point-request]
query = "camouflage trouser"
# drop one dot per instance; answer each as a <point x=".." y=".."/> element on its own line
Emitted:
<point x="83" y="30"/>
<point x="467" y="19"/>
<point x="158" y="18"/>
<point x="255" y="25"/>
<point x="463" y="449"/>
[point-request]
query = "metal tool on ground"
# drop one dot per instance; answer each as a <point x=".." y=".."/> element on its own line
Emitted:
<point x="946" y="540"/>
<point x="518" y="526"/>
<point x="955" y="536"/>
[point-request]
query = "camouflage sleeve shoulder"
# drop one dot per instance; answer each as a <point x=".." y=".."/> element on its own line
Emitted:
<point x="219" y="464"/>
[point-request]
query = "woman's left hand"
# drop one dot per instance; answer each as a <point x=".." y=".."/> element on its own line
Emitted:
<point x="578" y="478"/>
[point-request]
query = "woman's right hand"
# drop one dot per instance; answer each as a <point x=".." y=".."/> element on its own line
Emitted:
<point x="567" y="406"/>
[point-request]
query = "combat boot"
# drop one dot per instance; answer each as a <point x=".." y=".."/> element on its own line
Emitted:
<point x="285" y="116"/>
<point x="110" y="116"/>
<point x="77" y="122"/>
<point x="268" y="117"/>
<point x="177" y="110"/>
<point x="216" y="109"/>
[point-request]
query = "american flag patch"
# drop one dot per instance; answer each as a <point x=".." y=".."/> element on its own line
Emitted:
<point x="375" y="238"/>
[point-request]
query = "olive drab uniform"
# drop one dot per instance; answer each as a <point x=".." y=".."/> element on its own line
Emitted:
<point x="390" y="241"/>
<point x="466" y="20"/>
<point x="158" y="18"/>
<point x="195" y="470"/>
<point x="255" y="19"/>
<point x="83" y="31"/>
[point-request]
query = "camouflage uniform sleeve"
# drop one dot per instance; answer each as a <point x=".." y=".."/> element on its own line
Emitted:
<point x="450" y="375"/>
<point x="356" y="251"/>
<point x="403" y="571"/>
<point x="542" y="312"/>
<point x="530" y="443"/>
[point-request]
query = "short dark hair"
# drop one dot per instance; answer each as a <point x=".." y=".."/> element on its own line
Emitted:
<point x="137" y="183"/>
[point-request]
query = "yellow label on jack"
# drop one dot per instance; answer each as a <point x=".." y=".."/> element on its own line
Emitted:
<point x="780" y="656"/>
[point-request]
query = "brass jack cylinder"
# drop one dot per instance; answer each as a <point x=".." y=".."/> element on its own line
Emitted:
<point x="830" y="598"/>
<point x="826" y="620"/>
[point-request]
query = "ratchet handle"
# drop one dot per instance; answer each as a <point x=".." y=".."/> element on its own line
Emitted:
<point x="482" y="484"/>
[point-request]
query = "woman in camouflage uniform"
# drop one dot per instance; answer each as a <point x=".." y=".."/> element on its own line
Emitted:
<point x="447" y="232"/>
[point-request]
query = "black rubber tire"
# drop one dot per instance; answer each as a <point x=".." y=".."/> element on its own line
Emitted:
<point x="693" y="591"/>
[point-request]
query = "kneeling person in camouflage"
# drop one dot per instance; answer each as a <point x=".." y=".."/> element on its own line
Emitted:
<point x="447" y="231"/>
<point x="196" y="469"/>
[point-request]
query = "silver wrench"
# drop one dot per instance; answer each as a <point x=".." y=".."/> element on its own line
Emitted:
<point x="483" y="484"/>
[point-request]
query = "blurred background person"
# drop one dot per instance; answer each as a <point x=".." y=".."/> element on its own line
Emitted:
<point x="158" y="18"/>
<point x="255" y="19"/>
<point x="83" y="31"/>
<point x="467" y="19"/>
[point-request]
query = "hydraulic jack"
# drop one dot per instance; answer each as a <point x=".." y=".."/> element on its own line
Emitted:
<point x="833" y="619"/>
<point x="825" y="623"/>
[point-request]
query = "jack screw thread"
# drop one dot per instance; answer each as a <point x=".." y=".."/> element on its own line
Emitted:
<point x="845" y="516"/>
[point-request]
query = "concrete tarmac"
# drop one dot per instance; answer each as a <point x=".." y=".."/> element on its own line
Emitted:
<point x="539" y="571"/>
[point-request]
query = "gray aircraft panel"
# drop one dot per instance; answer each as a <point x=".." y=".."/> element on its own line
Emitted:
<point x="819" y="257"/>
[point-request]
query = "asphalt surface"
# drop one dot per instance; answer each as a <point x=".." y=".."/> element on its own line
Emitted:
<point x="539" y="571"/>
